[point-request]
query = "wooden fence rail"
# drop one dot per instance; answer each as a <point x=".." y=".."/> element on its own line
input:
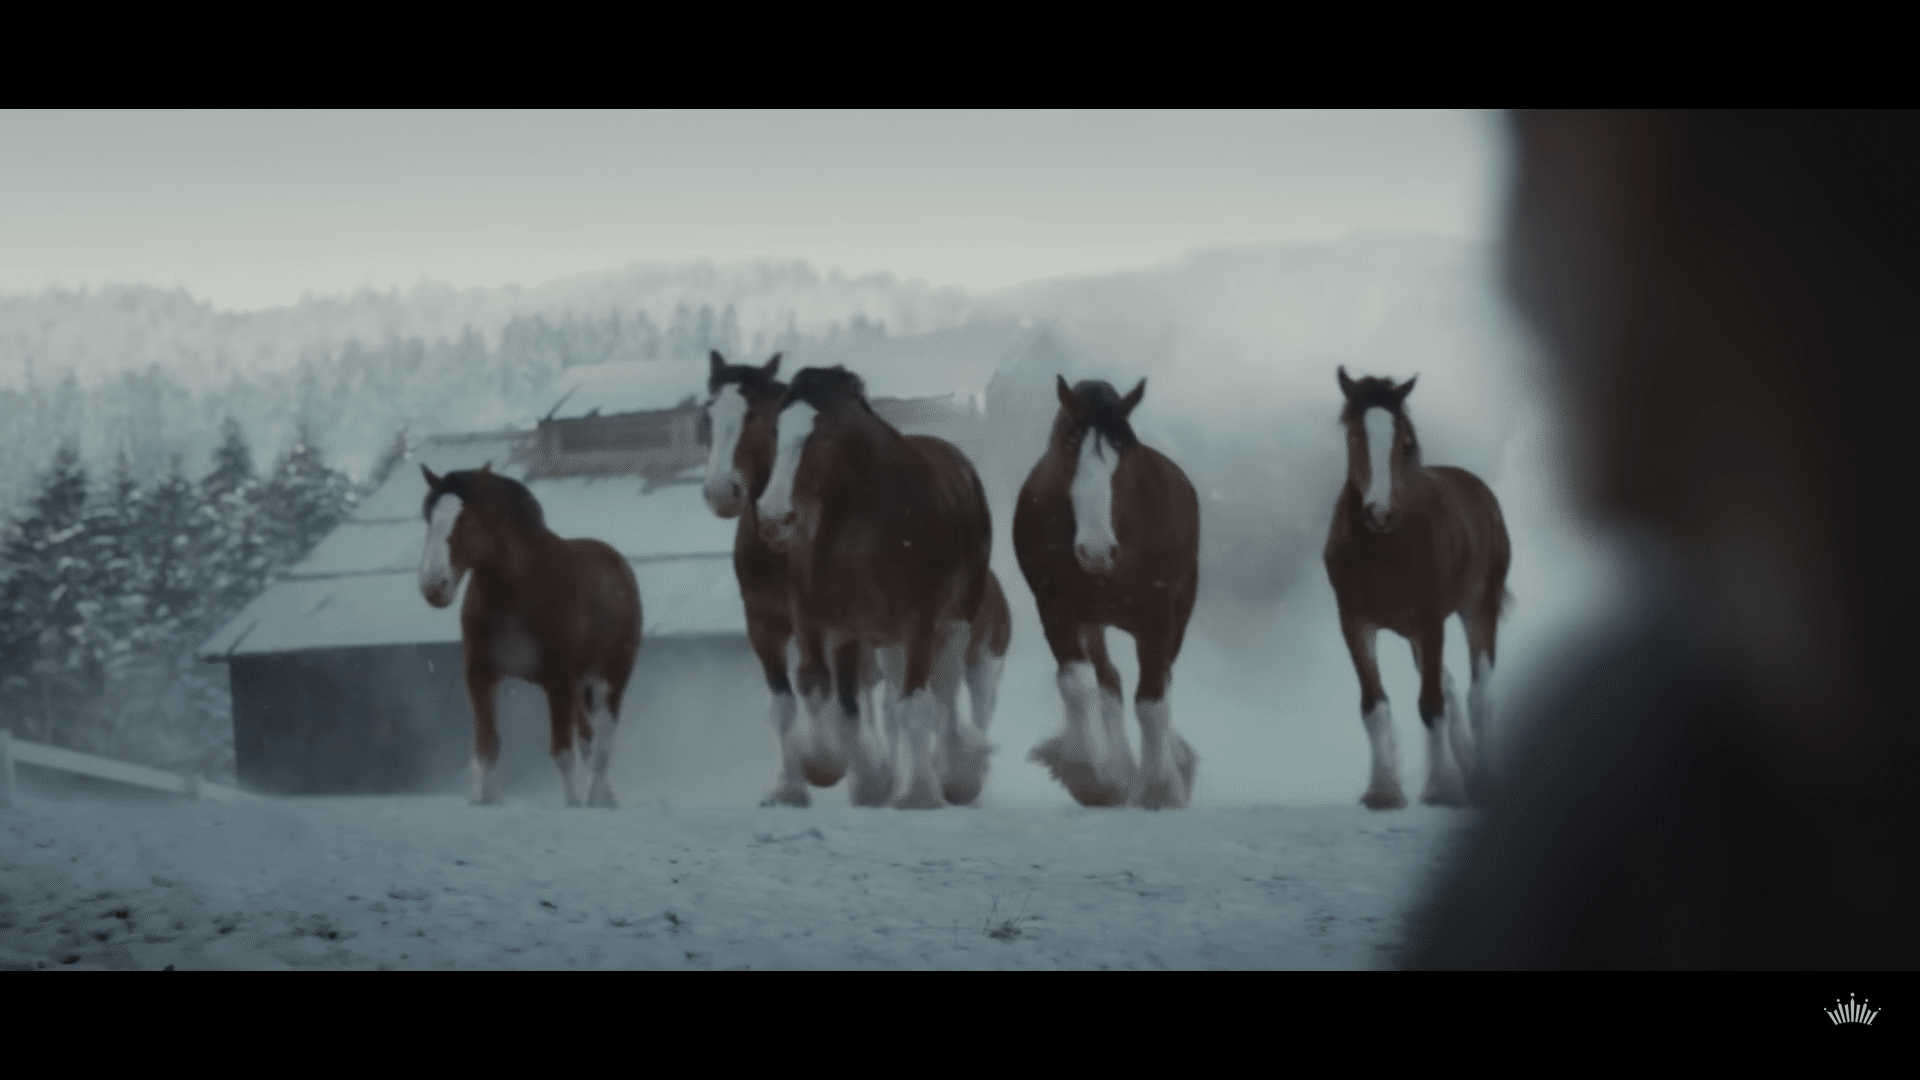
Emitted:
<point x="72" y="761"/>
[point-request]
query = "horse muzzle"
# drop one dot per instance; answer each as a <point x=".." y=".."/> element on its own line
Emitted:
<point x="728" y="499"/>
<point x="440" y="591"/>
<point x="1096" y="559"/>
<point x="1382" y="522"/>
<point x="779" y="534"/>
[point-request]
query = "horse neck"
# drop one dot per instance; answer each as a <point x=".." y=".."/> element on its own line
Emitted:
<point x="861" y="436"/>
<point x="509" y="571"/>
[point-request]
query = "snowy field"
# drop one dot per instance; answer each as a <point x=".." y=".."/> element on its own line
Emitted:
<point x="1275" y="866"/>
<point x="430" y="883"/>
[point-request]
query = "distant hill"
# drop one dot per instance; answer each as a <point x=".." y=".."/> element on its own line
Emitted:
<point x="1240" y="346"/>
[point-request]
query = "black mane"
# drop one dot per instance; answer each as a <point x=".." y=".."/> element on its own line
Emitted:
<point x="1101" y="409"/>
<point x="826" y="387"/>
<point x="493" y="493"/>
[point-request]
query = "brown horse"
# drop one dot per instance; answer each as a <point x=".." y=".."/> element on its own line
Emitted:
<point x="1410" y="546"/>
<point x="561" y="614"/>
<point x="740" y="418"/>
<point x="887" y="538"/>
<point x="1107" y="532"/>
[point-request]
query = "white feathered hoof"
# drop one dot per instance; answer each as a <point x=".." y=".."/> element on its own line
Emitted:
<point x="483" y="784"/>
<point x="964" y="765"/>
<point x="924" y="794"/>
<point x="1084" y="782"/>
<point x="600" y="796"/>
<point x="1446" y="794"/>
<point x="787" y="795"/>
<point x="1384" y="799"/>
<point x="872" y="777"/>
<point x="1176" y="791"/>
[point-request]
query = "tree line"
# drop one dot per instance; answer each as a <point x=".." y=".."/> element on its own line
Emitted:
<point x="108" y="585"/>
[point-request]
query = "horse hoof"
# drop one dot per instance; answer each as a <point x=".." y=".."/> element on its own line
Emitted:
<point x="784" y="796"/>
<point x="1085" y="783"/>
<point x="872" y="790"/>
<point x="1455" y="799"/>
<point x="921" y="797"/>
<point x="960" y="794"/>
<point x="1164" y="796"/>
<point x="1383" y="800"/>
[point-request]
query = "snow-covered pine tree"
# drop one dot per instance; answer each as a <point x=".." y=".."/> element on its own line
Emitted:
<point x="228" y="543"/>
<point x="301" y="502"/>
<point x="174" y="576"/>
<point x="397" y="453"/>
<point x="46" y="559"/>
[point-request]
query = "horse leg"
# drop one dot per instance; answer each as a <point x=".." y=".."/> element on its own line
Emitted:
<point x="1481" y="623"/>
<point x="1439" y="711"/>
<point x="1079" y="757"/>
<point x="920" y="720"/>
<point x="1383" y="790"/>
<point x="872" y="770"/>
<point x="563" y="714"/>
<point x="823" y="757"/>
<point x="597" y="697"/>
<point x="769" y="637"/>
<point x="961" y="759"/>
<point x="483" y="772"/>
<point x="983" y="686"/>
<point x="1166" y="761"/>
<point x="891" y="662"/>
<point x="1113" y="705"/>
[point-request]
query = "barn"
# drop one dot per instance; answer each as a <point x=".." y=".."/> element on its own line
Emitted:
<point x="345" y="681"/>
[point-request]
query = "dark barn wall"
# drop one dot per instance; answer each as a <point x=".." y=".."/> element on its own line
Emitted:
<point x="393" y="720"/>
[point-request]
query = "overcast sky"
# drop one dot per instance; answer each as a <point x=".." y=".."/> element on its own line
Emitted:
<point x="254" y="209"/>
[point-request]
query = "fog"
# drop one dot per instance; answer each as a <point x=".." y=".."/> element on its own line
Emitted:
<point x="1239" y="346"/>
<point x="1241" y="393"/>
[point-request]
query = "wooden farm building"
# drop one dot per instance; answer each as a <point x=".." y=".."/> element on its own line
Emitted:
<point x="345" y="681"/>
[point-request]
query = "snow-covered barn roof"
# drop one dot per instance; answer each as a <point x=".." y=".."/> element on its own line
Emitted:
<point x="627" y="386"/>
<point x="358" y="585"/>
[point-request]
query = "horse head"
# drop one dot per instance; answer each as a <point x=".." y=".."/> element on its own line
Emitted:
<point x="817" y="402"/>
<point x="740" y="423"/>
<point x="1092" y="431"/>
<point x="473" y="515"/>
<point x="1382" y="450"/>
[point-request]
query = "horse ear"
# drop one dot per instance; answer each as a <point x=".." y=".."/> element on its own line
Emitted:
<point x="432" y="480"/>
<point x="1405" y="389"/>
<point x="1346" y="384"/>
<point x="1067" y="400"/>
<point x="487" y="468"/>
<point x="715" y="361"/>
<point x="773" y="366"/>
<point x="1127" y="403"/>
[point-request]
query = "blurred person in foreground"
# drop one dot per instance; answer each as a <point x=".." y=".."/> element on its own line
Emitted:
<point x="1731" y="305"/>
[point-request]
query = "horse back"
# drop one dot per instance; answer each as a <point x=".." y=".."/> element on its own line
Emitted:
<point x="610" y="597"/>
<point x="1477" y="513"/>
<point x="957" y="501"/>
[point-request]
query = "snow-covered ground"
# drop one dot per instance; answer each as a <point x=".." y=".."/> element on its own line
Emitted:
<point x="1274" y="866"/>
<point x="408" y="883"/>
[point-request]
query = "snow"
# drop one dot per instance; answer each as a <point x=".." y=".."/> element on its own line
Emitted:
<point x="430" y="883"/>
<point x="625" y="386"/>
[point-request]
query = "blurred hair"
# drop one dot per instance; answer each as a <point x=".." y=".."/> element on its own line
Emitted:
<point x="1728" y="300"/>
